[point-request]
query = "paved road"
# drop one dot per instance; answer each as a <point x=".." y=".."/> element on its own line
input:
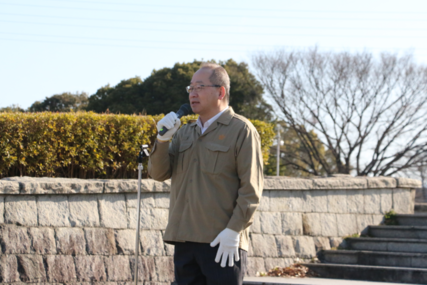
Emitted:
<point x="310" y="281"/>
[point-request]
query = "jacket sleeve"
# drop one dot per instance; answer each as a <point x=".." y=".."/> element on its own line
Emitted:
<point x="250" y="171"/>
<point x="160" y="164"/>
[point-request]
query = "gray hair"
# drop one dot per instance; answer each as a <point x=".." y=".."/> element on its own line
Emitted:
<point x="219" y="76"/>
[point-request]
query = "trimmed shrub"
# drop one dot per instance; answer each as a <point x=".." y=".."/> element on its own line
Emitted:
<point x="82" y="145"/>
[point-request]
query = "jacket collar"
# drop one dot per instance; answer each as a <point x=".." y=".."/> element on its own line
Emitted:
<point x="224" y="119"/>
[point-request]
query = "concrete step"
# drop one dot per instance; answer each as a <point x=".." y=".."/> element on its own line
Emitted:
<point x="378" y="258"/>
<point x="370" y="273"/>
<point x="420" y="207"/>
<point x="388" y="244"/>
<point x="418" y="219"/>
<point x="411" y="232"/>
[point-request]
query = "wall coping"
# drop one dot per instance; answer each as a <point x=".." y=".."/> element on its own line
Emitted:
<point x="46" y="186"/>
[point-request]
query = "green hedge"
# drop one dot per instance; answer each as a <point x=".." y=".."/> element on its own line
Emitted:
<point x="82" y="145"/>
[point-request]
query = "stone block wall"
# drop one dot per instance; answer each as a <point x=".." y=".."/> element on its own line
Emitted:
<point x="83" y="231"/>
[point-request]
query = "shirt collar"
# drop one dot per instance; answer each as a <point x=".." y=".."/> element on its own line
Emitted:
<point x="211" y="120"/>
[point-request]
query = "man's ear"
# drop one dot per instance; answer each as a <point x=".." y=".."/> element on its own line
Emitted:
<point x="222" y="93"/>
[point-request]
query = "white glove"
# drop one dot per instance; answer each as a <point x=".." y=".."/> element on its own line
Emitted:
<point x="228" y="247"/>
<point x="170" y="121"/>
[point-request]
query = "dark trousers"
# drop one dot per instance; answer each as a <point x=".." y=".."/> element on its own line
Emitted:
<point x="195" y="265"/>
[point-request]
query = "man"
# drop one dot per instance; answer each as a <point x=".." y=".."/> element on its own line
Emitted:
<point x="217" y="179"/>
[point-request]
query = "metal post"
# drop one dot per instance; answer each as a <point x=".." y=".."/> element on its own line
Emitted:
<point x="142" y="154"/>
<point x="140" y="168"/>
<point x="278" y="151"/>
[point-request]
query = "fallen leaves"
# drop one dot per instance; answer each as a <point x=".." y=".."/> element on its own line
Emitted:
<point x="295" y="270"/>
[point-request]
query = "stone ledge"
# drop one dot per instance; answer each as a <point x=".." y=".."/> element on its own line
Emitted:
<point x="9" y="187"/>
<point x="45" y="185"/>
<point x="403" y="182"/>
<point x="341" y="182"/>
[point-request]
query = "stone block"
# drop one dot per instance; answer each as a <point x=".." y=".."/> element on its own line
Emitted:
<point x="312" y="224"/>
<point x="292" y="224"/>
<point x="122" y="185"/>
<point x="146" y="268"/>
<point x="1" y="209"/>
<point x="362" y="222"/>
<point x="125" y="242"/>
<point x="164" y="269"/>
<point x="337" y="242"/>
<point x="152" y="243"/>
<point x="31" y="268"/>
<point x="112" y="209"/>
<point x="20" y="210"/>
<point x="264" y="203"/>
<point x="288" y="183"/>
<point x="377" y="220"/>
<point x="403" y="182"/>
<point x="402" y="201"/>
<point x="347" y="182"/>
<point x="128" y="185"/>
<point x="372" y="201"/>
<point x="60" y="268"/>
<point x="118" y="268"/>
<point x="9" y="187"/>
<point x="70" y="241"/>
<point x="321" y="243"/>
<point x="329" y="225"/>
<point x="271" y="263"/>
<point x="162" y="200"/>
<point x="43" y="240"/>
<point x="288" y="201"/>
<point x="337" y="201"/>
<point x="14" y="240"/>
<point x="346" y="224"/>
<point x="280" y="201"/>
<point x="285" y="247"/>
<point x="355" y="201"/>
<point x="304" y="246"/>
<point x="9" y="269"/>
<point x="169" y="249"/>
<point x="255" y="265"/>
<point x="264" y="246"/>
<point x="381" y="182"/>
<point x="90" y="268"/>
<point x="147" y="200"/>
<point x="100" y="241"/>
<point x="386" y="200"/>
<point x="271" y="222"/>
<point x="84" y="211"/>
<point x="151" y="219"/>
<point x="53" y="211"/>
<point x="256" y="225"/>
<point x="317" y="201"/>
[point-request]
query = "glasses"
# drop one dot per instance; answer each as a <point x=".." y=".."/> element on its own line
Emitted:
<point x="199" y="88"/>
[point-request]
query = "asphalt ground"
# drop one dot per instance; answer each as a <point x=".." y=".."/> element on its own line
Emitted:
<point x="310" y="281"/>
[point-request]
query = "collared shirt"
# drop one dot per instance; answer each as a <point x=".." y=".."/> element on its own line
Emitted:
<point x="209" y="122"/>
<point x="217" y="179"/>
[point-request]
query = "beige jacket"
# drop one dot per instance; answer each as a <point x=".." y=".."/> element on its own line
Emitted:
<point x="217" y="179"/>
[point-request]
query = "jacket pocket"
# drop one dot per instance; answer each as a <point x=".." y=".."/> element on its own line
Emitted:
<point x="183" y="155"/>
<point x="215" y="157"/>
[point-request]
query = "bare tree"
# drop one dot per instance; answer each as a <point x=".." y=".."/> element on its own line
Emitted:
<point x="369" y="112"/>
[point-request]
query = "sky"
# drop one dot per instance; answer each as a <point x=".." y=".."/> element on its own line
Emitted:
<point x="53" y="46"/>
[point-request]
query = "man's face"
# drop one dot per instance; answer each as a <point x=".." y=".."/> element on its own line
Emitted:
<point x="205" y="101"/>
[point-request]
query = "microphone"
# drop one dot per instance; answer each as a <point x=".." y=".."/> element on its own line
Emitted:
<point x="184" y="110"/>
